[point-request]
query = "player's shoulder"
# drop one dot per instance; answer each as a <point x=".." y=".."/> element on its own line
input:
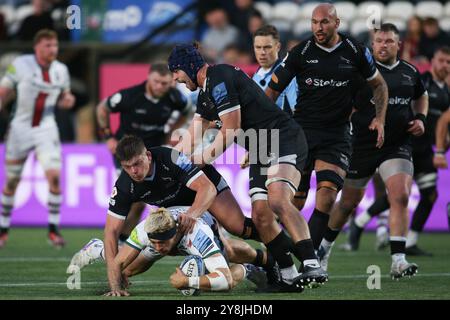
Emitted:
<point x="124" y="183"/>
<point x="355" y="46"/>
<point x="23" y="63"/>
<point x="302" y="48"/>
<point x="134" y="89"/>
<point x="408" y="66"/>
<point x="58" y="65"/>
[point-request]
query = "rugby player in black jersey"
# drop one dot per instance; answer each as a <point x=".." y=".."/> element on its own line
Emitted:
<point x="145" y="110"/>
<point x="425" y="174"/>
<point x="394" y="159"/>
<point x="327" y="68"/>
<point x="164" y="177"/>
<point x="277" y="150"/>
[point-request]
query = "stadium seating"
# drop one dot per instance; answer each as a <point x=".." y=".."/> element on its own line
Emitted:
<point x="429" y="9"/>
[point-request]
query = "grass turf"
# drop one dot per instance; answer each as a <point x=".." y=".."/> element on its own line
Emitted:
<point x="31" y="269"/>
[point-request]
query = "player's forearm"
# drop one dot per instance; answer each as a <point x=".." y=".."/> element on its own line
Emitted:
<point x="192" y="138"/>
<point x="222" y="141"/>
<point x="113" y="271"/>
<point x="102" y="115"/>
<point x="380" y="97"/>
<point x="421" y="105"/>
<point x="442" y="131"/>
<point x="204" y="198"/>
<point x="272" y="94"/>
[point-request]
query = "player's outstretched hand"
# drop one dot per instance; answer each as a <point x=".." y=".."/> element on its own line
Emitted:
<point x="440" y="162"/>
<point x="416" y="128"/>
<point x="117" y="293"/>
<point x="186" y="223"/>
<point x="178" y="280"/>
<point x="376" y="125"/>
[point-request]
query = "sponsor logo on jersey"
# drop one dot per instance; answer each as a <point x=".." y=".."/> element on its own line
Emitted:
<point x="352" y="45"/>
<point x="203" y="243"/>
<point x="408" y="80"/>
<point x="219" y="93"/>
<point x="305" y="48"/>
<point x="146" y="194"/>
<point x="395" y="100"/>
<point x="326" y="83"/>
<point x="312" y="61"/>
<point x="114" y="192"/>
<point x="11" y="69"/>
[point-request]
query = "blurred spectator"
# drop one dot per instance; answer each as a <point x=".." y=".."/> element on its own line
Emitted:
<point x="40" y="19"/>
<point x="241" y="15"/>
<point x="235" y="55"/>
<point x="410" y="45"/>
<point x="2" y="27"/>
<point x="255" y="22"/>
<point x="219" y="35"/>
<point x="432" y="38"/>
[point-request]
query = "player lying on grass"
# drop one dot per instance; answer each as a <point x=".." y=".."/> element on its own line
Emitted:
<point x="159" y="235"/>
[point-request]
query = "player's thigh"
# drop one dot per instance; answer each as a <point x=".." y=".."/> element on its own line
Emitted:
<point x="18" y="145"/>
<point x="228" y="213"/>
<point x="48" y="148"/>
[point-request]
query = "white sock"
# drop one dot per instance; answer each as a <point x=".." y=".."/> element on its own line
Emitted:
<point x="7" y="203"/>
<point x="413" y="237"/>
<point x="288" y="274"/>
<point x="5" y="221"/>
<point x="327" y="245"/>
<point x="381" y="230"/>
<point x="398" y="257"/>
<point x="363" y="219"/>
<point x="54" y="205"/>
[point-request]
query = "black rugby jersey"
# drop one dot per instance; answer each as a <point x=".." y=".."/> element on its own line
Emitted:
<point x="404" y="85"/>
<point x="325" y="79"/>
<point x="438" y="103"/>
<point x="228" y="88"/>
<point x="172" y="173"/>
<point x="144" y="116"/>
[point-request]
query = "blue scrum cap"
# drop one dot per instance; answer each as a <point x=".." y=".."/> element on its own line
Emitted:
<point x="187" y="58"/>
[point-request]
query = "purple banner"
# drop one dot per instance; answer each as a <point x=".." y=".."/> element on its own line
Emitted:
<point x="88" y="176"/>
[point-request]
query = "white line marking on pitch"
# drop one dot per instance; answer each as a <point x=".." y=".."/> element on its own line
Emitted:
<point x="91" y="283"/>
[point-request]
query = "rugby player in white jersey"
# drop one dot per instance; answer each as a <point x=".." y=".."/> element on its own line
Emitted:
<point x="159" y="235"/>
<point x="39" y="83"/>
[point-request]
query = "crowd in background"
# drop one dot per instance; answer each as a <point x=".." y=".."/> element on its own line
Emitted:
<point x="224" y="30"/>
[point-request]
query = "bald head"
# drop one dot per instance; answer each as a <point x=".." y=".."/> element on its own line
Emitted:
<point x="325" y="9"/>
<point x="324" y="24"/>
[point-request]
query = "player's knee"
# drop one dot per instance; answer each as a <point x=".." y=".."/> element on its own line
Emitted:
<point x="400" y="199"/>
<point x="250" y="231"/>
<point x="299" y="199"/>
<point x="279" y="206"/>
<point x="262" y="218"/>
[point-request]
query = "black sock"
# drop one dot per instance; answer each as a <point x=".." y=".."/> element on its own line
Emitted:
<point x="304" y="250"/>
<point x="123" y="237"/>
<point x="317" y="225"/>
<point x="250" y="231"/>
<point x="381" y="204"/>
<point x="52" y="228"/>
<point x="259" y="260"/>
<point x="397" y="246"/>
<point x="279" y="248"/>
<point x="4" y="230"/>
<point x="331" y="235"/>
<point x="423" y="210"/>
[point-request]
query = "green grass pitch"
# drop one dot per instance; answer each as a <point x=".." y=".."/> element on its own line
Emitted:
<point x="31" y="269"/>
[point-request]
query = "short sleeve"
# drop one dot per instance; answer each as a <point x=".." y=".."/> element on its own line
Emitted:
<point x="203" y="241"/>
<point x="117" y="102"/>
<point x="138" y="239"/>
<point x="66" y="77"/>
<point x="224" y="94"/>
<point x="286" y="71"/>
<point x="181" y="167"/>
<point x="367" y="67"/>
<point x="419" y="87"/>
<point x="119" y="203"/>
<point x="12" y="76"/>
